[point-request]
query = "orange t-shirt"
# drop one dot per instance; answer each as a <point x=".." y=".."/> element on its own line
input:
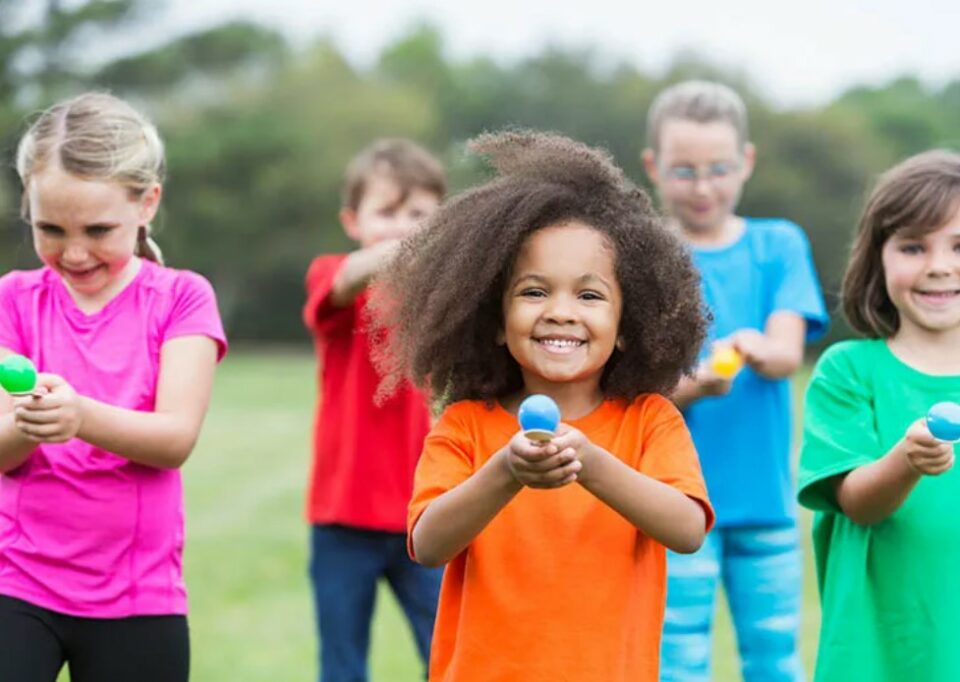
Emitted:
<point x="558" y="586"/>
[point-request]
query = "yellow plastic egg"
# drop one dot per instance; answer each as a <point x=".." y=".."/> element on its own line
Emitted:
<point x="726" y="361"/>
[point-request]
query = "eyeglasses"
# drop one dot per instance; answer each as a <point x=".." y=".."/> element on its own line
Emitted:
<point x="712" y="172"/>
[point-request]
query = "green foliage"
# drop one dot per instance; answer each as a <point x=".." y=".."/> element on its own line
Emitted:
<point x="258" y="136"/>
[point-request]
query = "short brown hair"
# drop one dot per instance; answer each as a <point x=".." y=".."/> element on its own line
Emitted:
<point x="916" y="196"/>
<point x="402" y="161"/>
<point x="441" y="297"/>
<point x="700" y="102"/>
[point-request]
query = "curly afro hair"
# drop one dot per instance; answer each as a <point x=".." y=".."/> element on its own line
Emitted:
<point x="436" y="309"/>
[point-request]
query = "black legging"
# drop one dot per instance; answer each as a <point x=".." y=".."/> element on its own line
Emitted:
<point x="35" y="643"/>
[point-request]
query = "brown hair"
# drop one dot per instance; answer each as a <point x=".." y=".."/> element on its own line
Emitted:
<point x="402" y="161"/>
<point x="917" y="196"/>
<point x="96" y="136"/>
<point x="441" y="296"/>
<point x="700" y="102"/>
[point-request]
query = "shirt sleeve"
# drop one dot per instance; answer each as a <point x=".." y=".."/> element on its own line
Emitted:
<point x="320" y="316"/>
<point x="839" y="431"/>
<point x="10" y="330"/>
<point x="797" y="288"/>
<point x="446" y="461"/>
<point x="195" y="312"/>
<point x="669" y="455"/>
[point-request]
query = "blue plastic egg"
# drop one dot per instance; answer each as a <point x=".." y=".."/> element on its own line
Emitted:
<point x="539" y="417"/>
<point x="943" y="420"/>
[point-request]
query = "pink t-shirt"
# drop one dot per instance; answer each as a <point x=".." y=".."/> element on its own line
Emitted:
<point x="83" y="531"/>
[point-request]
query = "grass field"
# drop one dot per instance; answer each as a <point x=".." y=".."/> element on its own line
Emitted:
<point x="251" y="616"/>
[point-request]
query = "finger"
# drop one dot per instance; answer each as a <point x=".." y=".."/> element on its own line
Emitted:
<point x="537" y="467"/>
<point x="39" y="431"/>
<point x="26" y="416"/>
<point x="533" y="451"/>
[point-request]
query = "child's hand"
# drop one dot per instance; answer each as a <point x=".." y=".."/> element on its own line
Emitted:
<point x="51" y="414"/>
<point x="752" y="345"/>
<point x="541" y="465"/>
<point x="709" y="383"/>
<point x="925" y="454"/>
<point x="575" y="442"/>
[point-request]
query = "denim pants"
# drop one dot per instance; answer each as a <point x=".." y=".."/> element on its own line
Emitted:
<point x="345" y="567"/>
<point x="761" y="570"/>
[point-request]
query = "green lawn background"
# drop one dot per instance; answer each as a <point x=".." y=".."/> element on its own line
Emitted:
<point x="251" y="615"/>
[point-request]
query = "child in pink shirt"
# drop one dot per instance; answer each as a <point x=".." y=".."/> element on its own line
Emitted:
<point x="91" y="501"/>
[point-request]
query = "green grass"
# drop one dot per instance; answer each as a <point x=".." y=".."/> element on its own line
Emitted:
<point x="251" y="614"/>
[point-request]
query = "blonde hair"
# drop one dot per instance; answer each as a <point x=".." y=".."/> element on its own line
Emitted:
<point x="96" y="136"/>
<point x="700" y="102"/>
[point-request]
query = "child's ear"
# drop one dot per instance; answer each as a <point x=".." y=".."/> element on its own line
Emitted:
<point x="348" y="218"/>
<point x="749" y="158"/>
<point x="149" y="203"/>
<point x="650" y="165"/>
<point x="501" y="337"/>
<point x="621" y="344"/>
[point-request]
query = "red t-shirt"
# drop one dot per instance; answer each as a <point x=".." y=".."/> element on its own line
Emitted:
<point x="364" y="455"/>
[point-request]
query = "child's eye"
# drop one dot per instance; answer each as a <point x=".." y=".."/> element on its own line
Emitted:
<point x="98" y="230"/>
<point x="533" y="293"/>
<point x="50" y="230"/>
<point x="911" y="249"/>
<point x="683" y="173"/>
<point x="591" y="296"/>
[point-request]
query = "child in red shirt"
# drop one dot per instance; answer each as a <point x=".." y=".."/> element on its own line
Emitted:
<point x="364" y="453"/>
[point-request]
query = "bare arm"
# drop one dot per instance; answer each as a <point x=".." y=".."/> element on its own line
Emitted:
<point x="659" y="510"/>
<point x="871" y="493"/>
<point x="163" y="438"/>
<point x="778" y="351"/>
<point x="455" y="518"/>
<point x="357" y="271"/>
<point x="704" y="383"/>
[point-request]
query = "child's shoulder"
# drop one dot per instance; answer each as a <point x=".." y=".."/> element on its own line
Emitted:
<point x="20" y="282"/>
<point x="775" y="231"/>
<point x="167" y="280"/>
<point x="851" y="357"/>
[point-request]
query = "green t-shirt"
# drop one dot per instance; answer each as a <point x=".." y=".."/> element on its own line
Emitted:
<point x="890" y="593"/>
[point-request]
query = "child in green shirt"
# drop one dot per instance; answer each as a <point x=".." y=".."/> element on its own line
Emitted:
<point x="886" y="537"/>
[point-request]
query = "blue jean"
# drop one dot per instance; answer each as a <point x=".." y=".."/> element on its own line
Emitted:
<point x="345" y="566"/>
<point x="761" y="569"/>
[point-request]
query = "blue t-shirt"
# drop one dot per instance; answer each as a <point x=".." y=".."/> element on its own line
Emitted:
<point x="744" y="437"/>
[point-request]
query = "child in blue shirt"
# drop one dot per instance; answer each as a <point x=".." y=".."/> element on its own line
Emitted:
<point x="760" y="285"/>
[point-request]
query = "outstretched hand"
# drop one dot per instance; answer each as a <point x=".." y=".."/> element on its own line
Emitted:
<point x="925" y="454"/>
<point x="552" y="464"/>
<point x="51" y="414"/>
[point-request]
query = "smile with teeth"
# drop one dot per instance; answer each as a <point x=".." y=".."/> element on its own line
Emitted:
<point x="560" y="345"/>
<point x="938" y="296"/>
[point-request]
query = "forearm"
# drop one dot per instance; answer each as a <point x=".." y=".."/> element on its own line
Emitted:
<point x="781" y="361"/>
<point x="686" y="392"/>
<point x="659" y="510"/>
<point x="455" y="518"/>
<point x="357" y="271"/>
<point x="157" y="439"/>
<point x="14" y="446"/>
<point x="871" y="493"/>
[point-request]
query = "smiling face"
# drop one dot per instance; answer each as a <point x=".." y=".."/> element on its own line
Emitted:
<point x="562" y="306"/>
<point x="922" y="277"/>
<point x="87" y="230"/>
<point x="699" y="172"/>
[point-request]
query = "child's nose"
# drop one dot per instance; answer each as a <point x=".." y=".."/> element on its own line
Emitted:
<point x="75" y="252"/>
<point x="561" y="309"/>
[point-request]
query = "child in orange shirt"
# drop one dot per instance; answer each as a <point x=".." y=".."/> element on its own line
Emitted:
<point x="557" y="278"/>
